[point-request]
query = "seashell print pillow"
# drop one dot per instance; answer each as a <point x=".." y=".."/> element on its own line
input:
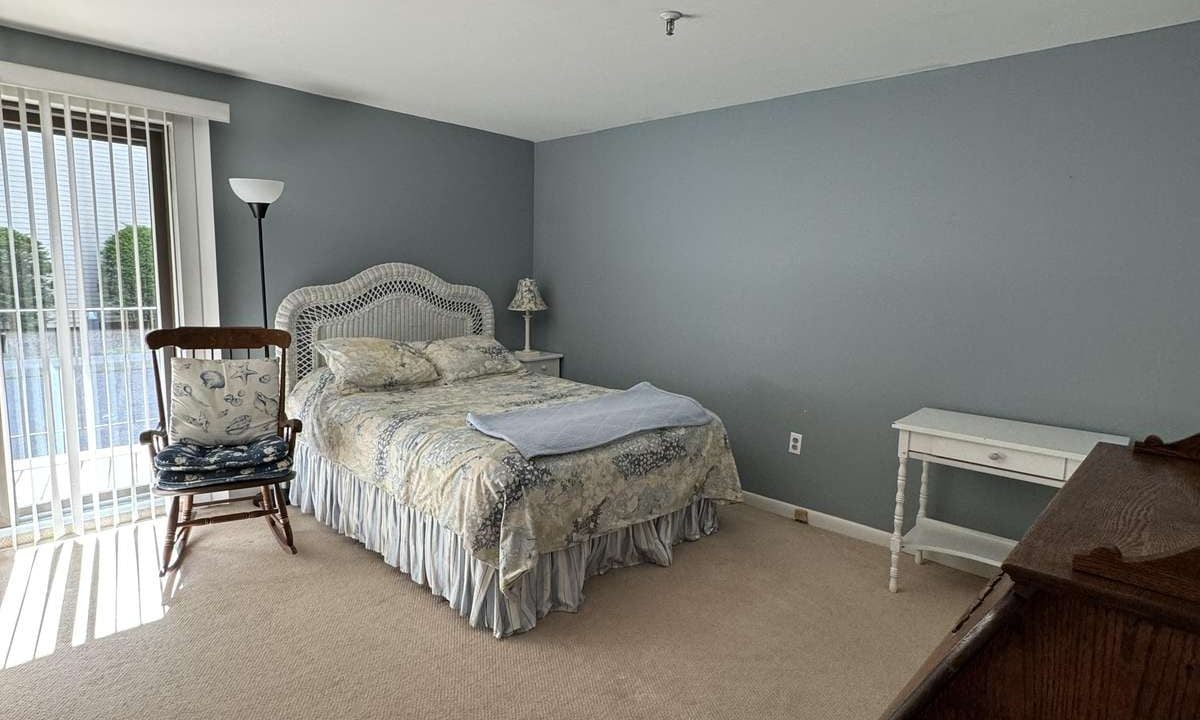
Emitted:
<point x="376" y="363"/>
<point x="469" y="356"/>
<point x="223" y="402"/>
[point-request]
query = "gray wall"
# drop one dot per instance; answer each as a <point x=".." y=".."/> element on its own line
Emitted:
<point x="364" y="185"/>
<point x="1016" y="238"/>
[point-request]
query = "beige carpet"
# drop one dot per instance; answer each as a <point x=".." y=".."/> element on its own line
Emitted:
<point x="768" y="618"/>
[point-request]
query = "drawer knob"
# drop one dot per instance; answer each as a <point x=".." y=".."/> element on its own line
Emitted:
<point x="995" y="456"/>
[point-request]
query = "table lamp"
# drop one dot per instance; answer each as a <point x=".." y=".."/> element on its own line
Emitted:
<point x="527" y="300"/>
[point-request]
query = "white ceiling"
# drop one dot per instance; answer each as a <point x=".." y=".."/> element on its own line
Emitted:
<point x="541" y="69"/>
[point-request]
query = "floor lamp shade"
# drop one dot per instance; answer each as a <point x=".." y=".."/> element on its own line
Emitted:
<point x="256" y="190"/>
<point x="258" y="193"/>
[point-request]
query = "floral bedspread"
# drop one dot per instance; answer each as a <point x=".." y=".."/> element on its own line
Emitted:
<point x="416" y="444"/>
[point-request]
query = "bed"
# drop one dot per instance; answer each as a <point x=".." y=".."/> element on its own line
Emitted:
<point x="505" y="540"/>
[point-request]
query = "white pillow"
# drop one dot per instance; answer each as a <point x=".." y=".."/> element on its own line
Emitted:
<point x="469" y="356"/>
<point x="223" y="402"/>
<point x="376" y="363"/>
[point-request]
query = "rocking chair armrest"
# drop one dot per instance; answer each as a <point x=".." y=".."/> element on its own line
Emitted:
<point x="148" y="436"/>
<point x="290" y="429"/>
<point x="154" y="440"/>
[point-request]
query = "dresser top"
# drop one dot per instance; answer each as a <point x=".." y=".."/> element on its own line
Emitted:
<point x="1031" y="437"/>
<point x="1143" y="505"/>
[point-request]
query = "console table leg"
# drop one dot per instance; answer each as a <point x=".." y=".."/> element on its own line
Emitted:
<point x="898" y="524"/>
<point x="920" y="556"/>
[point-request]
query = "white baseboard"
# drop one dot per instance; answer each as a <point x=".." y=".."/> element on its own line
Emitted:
<point x="858" y="531"/>
<point x="832" y="523"/>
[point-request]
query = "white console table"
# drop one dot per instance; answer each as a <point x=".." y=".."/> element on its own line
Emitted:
<point x="1041" y="454"/>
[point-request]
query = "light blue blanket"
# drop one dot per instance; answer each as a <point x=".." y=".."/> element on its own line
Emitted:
<point x="573" y="426"/>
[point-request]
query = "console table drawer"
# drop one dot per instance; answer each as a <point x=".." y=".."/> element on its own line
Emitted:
<point x="991" y="456"/>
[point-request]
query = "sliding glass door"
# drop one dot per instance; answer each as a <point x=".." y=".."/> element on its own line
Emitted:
<point x="84" y="275"/>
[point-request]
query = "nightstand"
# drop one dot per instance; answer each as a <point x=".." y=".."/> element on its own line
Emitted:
<point x="542" y="363"/>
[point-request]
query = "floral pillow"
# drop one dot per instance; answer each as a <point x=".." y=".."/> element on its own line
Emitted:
<point x="376" y="363"/>
<point x="223" y="402"/>
<point x="469" y="356"/>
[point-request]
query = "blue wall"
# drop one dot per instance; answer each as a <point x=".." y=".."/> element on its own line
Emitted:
<point x="1016" y="237"/>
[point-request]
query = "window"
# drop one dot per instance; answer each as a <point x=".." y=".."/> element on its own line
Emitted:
<point x="85" y="272"/>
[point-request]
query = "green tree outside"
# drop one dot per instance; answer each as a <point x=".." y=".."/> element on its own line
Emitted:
<point x="125" y="293"/>
<point x="26" y="289"/>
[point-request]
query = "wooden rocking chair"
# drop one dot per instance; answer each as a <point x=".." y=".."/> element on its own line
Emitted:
<point x="198" y="342"/>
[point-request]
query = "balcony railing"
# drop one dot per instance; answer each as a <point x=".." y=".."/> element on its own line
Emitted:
<point x="114" y="403"/>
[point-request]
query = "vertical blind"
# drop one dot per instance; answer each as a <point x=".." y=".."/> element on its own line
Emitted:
<point x="82" y="197"/>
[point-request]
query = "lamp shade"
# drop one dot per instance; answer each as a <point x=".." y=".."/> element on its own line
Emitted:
<point x="256" y="190"/>
<point x="527" y="299"/>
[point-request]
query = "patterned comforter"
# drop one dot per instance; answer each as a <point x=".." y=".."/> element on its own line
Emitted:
<point x="415" y="443"/>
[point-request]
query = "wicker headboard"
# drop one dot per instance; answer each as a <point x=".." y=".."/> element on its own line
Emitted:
<point x="393" y="300"/>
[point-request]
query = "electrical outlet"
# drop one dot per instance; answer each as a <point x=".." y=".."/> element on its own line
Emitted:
<point x="794" y="443"/>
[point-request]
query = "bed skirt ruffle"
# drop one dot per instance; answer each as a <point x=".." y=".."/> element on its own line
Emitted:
<point x="417" y="545"/>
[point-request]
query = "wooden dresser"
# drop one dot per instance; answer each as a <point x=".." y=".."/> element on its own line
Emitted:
<point x="1046" y="640"/>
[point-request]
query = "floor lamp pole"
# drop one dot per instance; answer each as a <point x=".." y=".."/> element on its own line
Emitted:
<point x="262" y="272"/>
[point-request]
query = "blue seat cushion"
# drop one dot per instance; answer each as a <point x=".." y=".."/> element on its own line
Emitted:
<point x="183" y="479"/>
<point x="188" y="457"/>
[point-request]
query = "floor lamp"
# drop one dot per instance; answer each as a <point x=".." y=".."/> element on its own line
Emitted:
<point x="259" y="194"/>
